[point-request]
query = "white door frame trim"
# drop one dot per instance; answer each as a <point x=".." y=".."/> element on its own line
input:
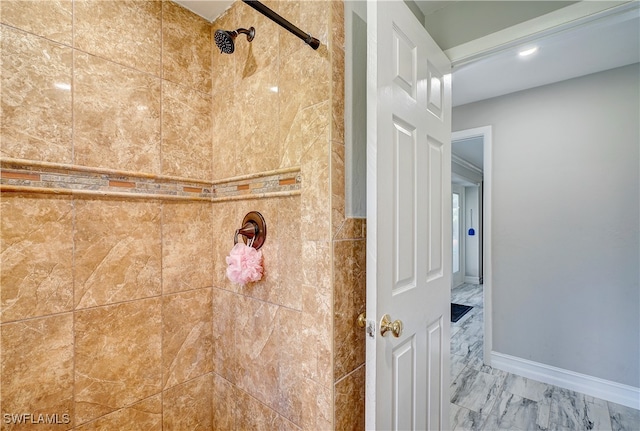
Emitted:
<point x="485" y="133"/>
<point x="462" y="261"/>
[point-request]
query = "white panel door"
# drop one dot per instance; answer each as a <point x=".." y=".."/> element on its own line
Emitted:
<point x="408" y="222"/>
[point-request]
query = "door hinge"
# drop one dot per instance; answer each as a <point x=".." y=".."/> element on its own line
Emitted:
<point x="371" y="328"/>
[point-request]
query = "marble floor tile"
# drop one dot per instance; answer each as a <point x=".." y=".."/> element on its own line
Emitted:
<point x="578" y="411"/>
<point x="462" y="419"/>
<point x="527" y="388"/>
<point x="475" y="390"/>
<point x="624" y="418"/>
<point x="458" y="364"/>
<point x="466" y="345"/>
<point x="487" y="399"/>
<point x="512" y="412"/>
<point x="467" y="294"/>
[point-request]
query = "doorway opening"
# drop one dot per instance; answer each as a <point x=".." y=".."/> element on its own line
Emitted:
<point x="471" y="185"/>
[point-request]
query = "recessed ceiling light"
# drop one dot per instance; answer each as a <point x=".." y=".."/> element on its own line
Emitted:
<point x="528" y="52"/>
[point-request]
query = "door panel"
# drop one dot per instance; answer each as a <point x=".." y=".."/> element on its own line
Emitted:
<point x="436" y="210"/>
<point x="404" y="142"/>
<point x="404" y="62"/>
<point x="404" y="371"/>
<point x="408" y="221"/>
<point x="436" y="374"/>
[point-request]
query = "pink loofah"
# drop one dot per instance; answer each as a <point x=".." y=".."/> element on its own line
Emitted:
<point x="245" y="264"/>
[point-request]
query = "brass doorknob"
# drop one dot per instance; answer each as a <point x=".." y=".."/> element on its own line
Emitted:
<point x="387" y="325"/>
<point x="362" y="319"/>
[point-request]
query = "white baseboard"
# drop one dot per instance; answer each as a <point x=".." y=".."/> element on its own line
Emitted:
<point x="472" y="280"/>
<point x="604" y="389"/>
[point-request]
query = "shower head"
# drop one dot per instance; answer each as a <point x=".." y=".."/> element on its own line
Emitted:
<point x="225" y="39"/>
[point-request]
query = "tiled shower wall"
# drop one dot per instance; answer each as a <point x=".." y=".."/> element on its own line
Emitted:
<point x="131" y="150"/>
<point x="305" y="362"/>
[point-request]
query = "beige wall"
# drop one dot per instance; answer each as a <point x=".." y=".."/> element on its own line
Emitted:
<point x="120" y="199"/>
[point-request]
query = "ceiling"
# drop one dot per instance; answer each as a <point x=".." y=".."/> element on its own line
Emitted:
<point x="470" y="150"/>
<point x="581" y="51"/>
<point x="208" y="9"/>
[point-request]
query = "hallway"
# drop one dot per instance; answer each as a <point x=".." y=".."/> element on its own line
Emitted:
<point x="484" y="398"/>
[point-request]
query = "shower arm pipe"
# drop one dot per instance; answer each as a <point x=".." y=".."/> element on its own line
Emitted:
<point x="264" y="10"/>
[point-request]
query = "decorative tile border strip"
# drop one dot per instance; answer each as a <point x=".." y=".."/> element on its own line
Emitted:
<point x="29" y="176"/>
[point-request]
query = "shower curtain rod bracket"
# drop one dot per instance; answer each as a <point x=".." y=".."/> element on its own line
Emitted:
<point x="273" y="16"/>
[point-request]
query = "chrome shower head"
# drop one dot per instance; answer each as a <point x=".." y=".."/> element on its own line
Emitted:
<point x="225" y="39"/>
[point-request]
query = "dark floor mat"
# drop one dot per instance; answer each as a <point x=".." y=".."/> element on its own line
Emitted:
<point x="458" y="310"/>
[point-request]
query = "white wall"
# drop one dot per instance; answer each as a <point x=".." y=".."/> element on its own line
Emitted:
<point x="566" y="223"/>
<point x="472" y="242"/>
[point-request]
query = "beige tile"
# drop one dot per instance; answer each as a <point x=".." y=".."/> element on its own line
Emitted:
<point x="262" y="52"/>
<point x="258" y="144"/>
<point x="283" y="424"/>
<point x="227" y="217"/>
<point x="35" y="84"/>
<point x="349" y="302"/>
<point x="116" y="116"/>
<point x="248" y="345"/>
<point x="281" y="279"/>
<point x="50" y="19"/>
<point x="315" y="198"/>
<point x="225" y="136"/>
<point x="117" y="356"/>
<point x="297" y="131"/>
<point x="307" y="135"/>
<point x="226" y="306"/>
<point x="186" y="48"/>
<point x="349" y="401"/>
<point x="290" y="9"/>
<point x="145" y="415"/>
<point x="187" y="246"/>
<point x="253" y="415"/>
<point x="117" y="251"/>
<point x="223" y="404"/>
<point x="37" y="368"/>
<point x="307" y="403"/>
<point x="317" y="307"/>
<point x="124" y="31"/>
<point x="257" y="345"/>
<point x="337" y="25"/>
<point x="299" y="345"/>
<point x="189" y="406"/>
<point x="337" y="96"/>
<point x="305" y="368"/>
<point x="337" y="188"/>
<point x="352" y="228"/>
<point x="316" y="15"/>
<point x="36" y="248"/>
<point x="223" y="66"/>
<point x="316" y="264"/>
<point x="268" y="288"/>
<point x="290" y="248"/>
<point x="186" y="132"/>
<point x="187" y="341"/>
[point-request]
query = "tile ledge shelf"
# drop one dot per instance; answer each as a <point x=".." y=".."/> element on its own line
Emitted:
<point x="29" y="176"/>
